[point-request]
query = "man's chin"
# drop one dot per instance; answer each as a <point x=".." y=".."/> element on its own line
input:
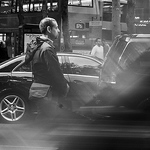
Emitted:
<point x="56" y="37"/>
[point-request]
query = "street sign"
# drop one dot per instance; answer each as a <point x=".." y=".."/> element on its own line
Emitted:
<point x="95" y="23"/>
<point x="79" y="26"/>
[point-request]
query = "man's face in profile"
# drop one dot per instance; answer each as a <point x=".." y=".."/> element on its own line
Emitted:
<point x="55" y="30"/>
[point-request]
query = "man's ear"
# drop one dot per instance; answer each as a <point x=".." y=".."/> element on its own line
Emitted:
<point x="49" y="29"/>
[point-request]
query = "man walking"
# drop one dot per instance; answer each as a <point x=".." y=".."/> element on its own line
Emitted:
<point x="98" y="50"/>
<point x="45" y="67"/>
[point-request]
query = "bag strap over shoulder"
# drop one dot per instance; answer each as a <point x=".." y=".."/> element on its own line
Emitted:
<point x="31" y="52"/>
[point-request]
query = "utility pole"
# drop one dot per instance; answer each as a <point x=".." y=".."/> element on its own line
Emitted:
<point x="44" y="9"/>
<point x="65" y="26"/>
<point x="130" y="19"/>
<point x="21" y="23"/>
<point x="116" y="29"/>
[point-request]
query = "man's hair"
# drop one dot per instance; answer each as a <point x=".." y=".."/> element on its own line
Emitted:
<point x="46" y="22"/>
<point x="97" y="39"/>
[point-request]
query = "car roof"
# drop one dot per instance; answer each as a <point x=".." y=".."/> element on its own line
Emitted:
<point x="79" y="54"/>
<point x="58" y="53"/>
<point x="127" y="37"/>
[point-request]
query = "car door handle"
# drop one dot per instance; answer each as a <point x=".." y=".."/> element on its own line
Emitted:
<point x="77" y="81"/>
<point x="27" y="79"/>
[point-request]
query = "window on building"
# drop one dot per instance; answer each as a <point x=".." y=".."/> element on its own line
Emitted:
<point x="12" y="6"/>
<point x="5" y="3"/>
<point x="79" y="34"/>
<point x="139" y="12"/>
<point x="52" y="6"/>
<point x="87" y="3"/>
<point x="6" y="6"/>
<point x="2" y="37"/>
<point x="107" y="11"/>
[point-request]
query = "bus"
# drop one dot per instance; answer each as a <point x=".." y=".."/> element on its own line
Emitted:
<point x="82" y="15"/>
<point x="10" y="29"/>
<point x="89" y="19"/>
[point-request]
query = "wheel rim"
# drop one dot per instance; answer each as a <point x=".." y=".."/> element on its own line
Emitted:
<point x="12" y="108"/>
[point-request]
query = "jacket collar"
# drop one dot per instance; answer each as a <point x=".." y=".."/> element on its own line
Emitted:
<point x="45" y="39"/>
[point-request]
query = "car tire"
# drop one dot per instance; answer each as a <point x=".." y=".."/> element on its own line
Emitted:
<point x="13" y="108"/>
<point x="145" y="105"/>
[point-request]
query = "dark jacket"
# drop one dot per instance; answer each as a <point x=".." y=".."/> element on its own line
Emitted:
<point x="3" y="53"/>
<point x="45" y="65"/>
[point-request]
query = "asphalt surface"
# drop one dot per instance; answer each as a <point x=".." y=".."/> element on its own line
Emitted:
<point x="69" y="131"/>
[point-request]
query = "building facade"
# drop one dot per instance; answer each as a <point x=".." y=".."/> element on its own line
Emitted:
<point x="88" y="19"/>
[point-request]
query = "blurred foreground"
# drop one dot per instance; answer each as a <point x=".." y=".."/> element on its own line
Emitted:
<point x="69" y="131"/>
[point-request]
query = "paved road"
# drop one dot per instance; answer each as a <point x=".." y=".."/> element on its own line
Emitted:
<point x="75" y="136"/>
<point x="69" y="131"/>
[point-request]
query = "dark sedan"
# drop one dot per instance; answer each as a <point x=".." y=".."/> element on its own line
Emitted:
<point x="81" y="71"/>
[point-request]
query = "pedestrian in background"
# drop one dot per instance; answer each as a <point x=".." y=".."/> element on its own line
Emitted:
<point x="98" y="49"/>
<point x="46" y="70"/>
<point x="3" y="51"/>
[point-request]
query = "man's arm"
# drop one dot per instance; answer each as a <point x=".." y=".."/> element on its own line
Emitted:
<point x="93" y="51"/>
<point x="58" y="80"/>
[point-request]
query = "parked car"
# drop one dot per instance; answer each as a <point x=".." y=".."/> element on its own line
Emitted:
<point x="125" y="75"/>
<point x="81" y="71"/>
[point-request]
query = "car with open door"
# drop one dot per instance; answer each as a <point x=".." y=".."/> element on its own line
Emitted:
<point x="125" y="76"/>
<point x="81" y="72"/>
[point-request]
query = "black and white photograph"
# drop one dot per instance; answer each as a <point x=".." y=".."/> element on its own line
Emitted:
<point x="74" y="74"/>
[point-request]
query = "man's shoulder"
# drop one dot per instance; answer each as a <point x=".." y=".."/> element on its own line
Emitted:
<point x="47" y="45"/>
<point x="47" y="50"/>
<point x="101" y="46"/>
<point x="47" y="42"/>
<point x="94" y="46"/>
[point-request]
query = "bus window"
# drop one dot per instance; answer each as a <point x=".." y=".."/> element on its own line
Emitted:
<point x="80" y="39"/>
<point x="86" y="3"/>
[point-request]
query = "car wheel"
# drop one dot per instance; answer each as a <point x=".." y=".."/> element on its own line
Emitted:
<point x="13" y="108"/>
<point x="145" y="105"/>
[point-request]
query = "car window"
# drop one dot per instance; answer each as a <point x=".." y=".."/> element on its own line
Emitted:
<point x="83" y="66"/>
<point x="24" y="67"/>
<point x="117" y="49"/>
<point x="63" y="64"/>
<point x="134" y="56"/>
<point x="27" y="67"/>
<point x="110" y="65"/>
<point x="10" y="66"/>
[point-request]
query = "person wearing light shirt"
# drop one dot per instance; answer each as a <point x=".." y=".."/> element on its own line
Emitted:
<point x="98" y="49"/>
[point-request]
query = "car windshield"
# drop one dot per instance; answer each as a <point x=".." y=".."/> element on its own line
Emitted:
<point x="116" y="49"/>
<point x="123" y="55"/>
<point x="112" y="58"/>
<point x="136" y="57"/>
